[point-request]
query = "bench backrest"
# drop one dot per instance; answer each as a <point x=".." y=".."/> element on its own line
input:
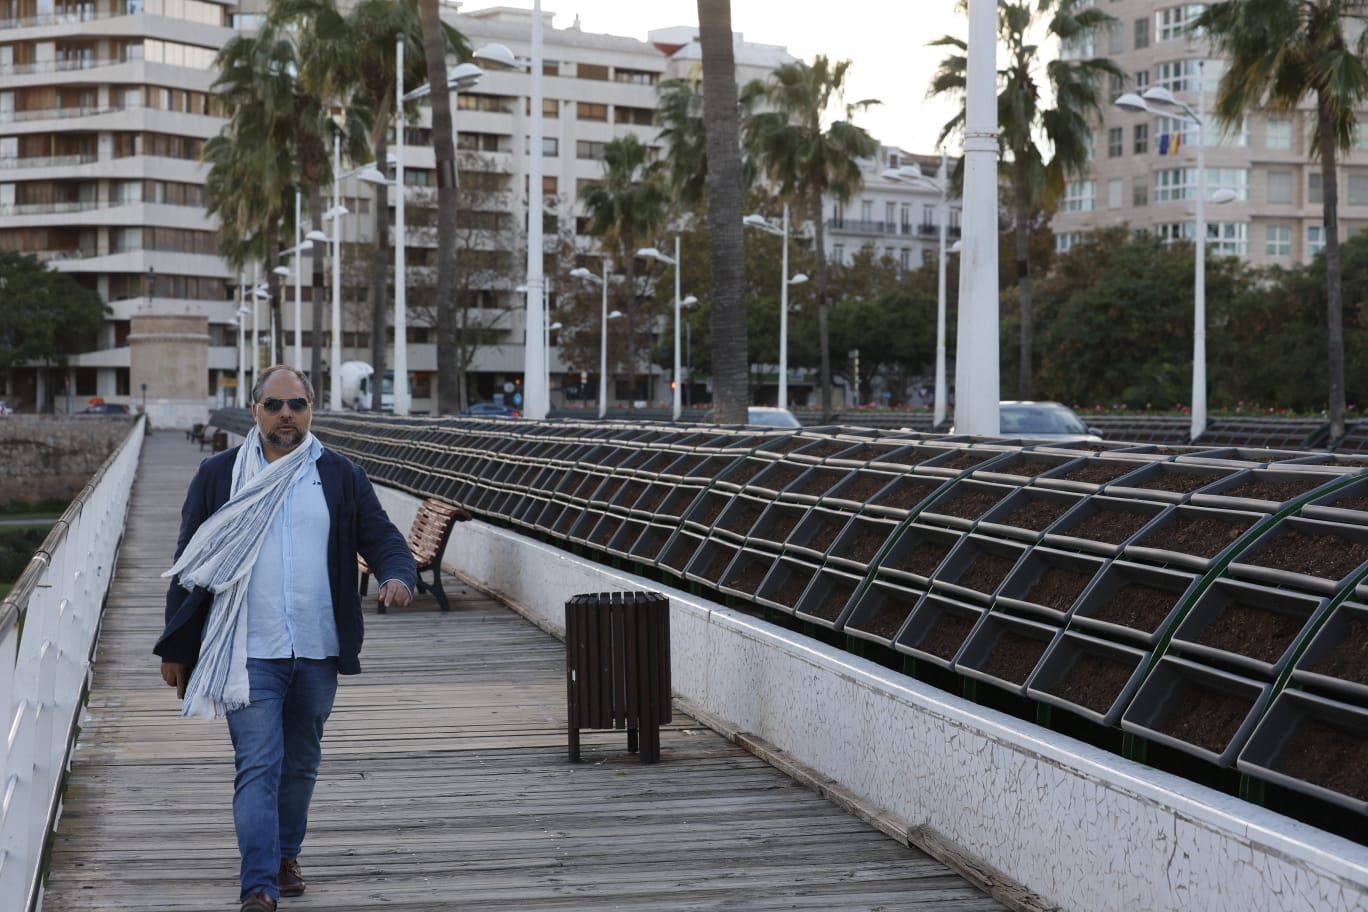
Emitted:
<point x="431" y="528"/>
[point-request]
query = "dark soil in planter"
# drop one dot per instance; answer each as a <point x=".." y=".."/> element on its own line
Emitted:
<point x="908" y="494"/>
<point x="1328" y="756"/>
<point x="863" y="487"/>
<point x="866" y="453"/>
<point x="1036" y="514"/>
<point x="649" y="544"/>
<point x="867" y="543"/>
<point x="1138" y="607"/>
<point x="947" y="634"/>
<point x="711" y="508"/>
<point x="817" y="483"/>
<point x="1205" y="717"/>
<point x="781" y="475"/>
<point x="887" y="620"/>
<point x="792" y="588"/>
<point x="826" y="448"/>
<point x="748" y="576"/>
<point x="686" y="465"/>
<point x="637" y="457"/>
<point x="967" y="503"/>
<point x="1098" y="472"/>
<point x="1014" y="657"/>
<point x="1023" y="468"/>
<point x="1278" y="491"/>
<point x="783" y="524"/>
<point x="1110" y="526"/>
<point x="710" y="467"/>
<point x="788" y="445"/>
<point x="1094" y="681"/>
<point x="1058" y="588"/>
<point x="719" y="562"/>
<point x="1177" y="482"/>
<point x="923" y="557"/>
<point x="986" y="572"/>
<point x="1326" y="556"/>
<point x="653" y="498"/>
<point x="605" y="532"/>
<point x="630" y="492"/>
<point x="1350" y="502"/>
<point x="965" y="461"/>
<point x="742" y="519"/>
<point x="1203" y="536"/>
<point x="836" y="598"/>
<point x="1349" y="660"/>
<point x="679" y="559"/>
<point x="1252" y="631"/>
<point x="824" y="534"/>
<point x="746" y="471"/>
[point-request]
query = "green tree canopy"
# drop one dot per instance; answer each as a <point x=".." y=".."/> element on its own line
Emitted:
<point x="45" y="315"/>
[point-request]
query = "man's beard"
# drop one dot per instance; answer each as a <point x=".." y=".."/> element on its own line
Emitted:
<point x="285" y="438"/>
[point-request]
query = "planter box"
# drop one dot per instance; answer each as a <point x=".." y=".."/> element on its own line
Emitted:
<point x="568" y="519"/>
<point x="1196" y="710"/>
<point x="1091" y="677"/>
<point x="775" y="525"/>
<point x="604" y="531"/>
<point x="627" y="495"/>
<point x="1090" y="475"/>
<point x="961" y="460"/>
<point x="705" y="510"/>
<point x="1004" y="651"/>
<point x="903" y="495"/>
<point x="739" y="517"/>
<point x="741" y="473"/>
<point x="938" y="629"/>
<point x="1347" y="505"/>
<point x="550" y="512"/>
<point x="1132" y="602"/>
<point x="607" y="489"/>
<point x="649" y="543"/>
<point x="976" y="561"/>
<point x="710" y="562"/>
<point x="679" y="552"/>
<point x="1261" y="490"/>
<point x="856" y="488"/>
<point x="906" y="458"/>
<point x="1153" y="544"/>
<point x="814" y="536"/>
<point x="882" y="611"/>
<point x="651" y="499"/>
<point x="1317" y="556"/>
<point x="917" y="552"/>
<point x="1024" y="467"/>
<point x="784" y="587"/>
<point x="1334" y="662"/>
<point x="528" y="509"/>
<point x="861" y="542"/>
<point x="810" y="487"/>
<point x="774" y="479"/>
<point x="745" y="574"/>
<point x="1027" y="513"/>
<point x="1095" y="518"/>
<point x="1045" y="574"/>
<point x="626" y="535"/>
<point x="1250" y="629"/>
<point x="1315" y="746"/>
<point x="828" y="597"/>
<point x="964" y="504"/>
<point x="678" y="503"/>
<point x="707" y="468"/>
<point x="1170" y="482"/>
<point x="819" y="450"/>
<point x="873" y="453"/>
<point x="681" y="467"/>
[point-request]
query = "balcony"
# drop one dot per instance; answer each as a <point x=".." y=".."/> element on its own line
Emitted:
<point x="62" y="66"/>
<point x="890" y="229"/>
<point x="53" y="208"/>
<point x="67" y="18"/>
<point x="48" y="161"/>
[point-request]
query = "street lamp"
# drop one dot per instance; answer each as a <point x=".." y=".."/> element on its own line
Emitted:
<point x="651" y="253"/>
<point x="334" y="215"/>
<point x="1164" y="99"/>
<point x="761" y="223"/>
<point x="690" y="301"/>
<point x="242" y="353"/>
<point x="940" y="184"/>
<point x="580" y="272"/>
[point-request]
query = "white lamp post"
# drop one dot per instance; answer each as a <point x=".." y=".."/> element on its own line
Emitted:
<point x="1158" y="95"/>
<point x="651" y="253"/>
<point x="582" y="273"/>
<point x="242" y="354"/>
<point x="760" y="222"/>
<point x="941" y="185"/>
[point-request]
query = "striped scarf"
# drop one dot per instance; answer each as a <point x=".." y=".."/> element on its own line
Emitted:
<point x="219" y="558"/>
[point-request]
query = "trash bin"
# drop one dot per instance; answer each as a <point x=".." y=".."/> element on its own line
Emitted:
<point x="617" y="667"/>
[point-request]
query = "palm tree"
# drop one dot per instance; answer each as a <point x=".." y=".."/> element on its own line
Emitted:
<point x="1279" y="52"/>
<point x="627" y="208"/>
<point x="1022" y="118"/>
<point x="809" y="161"/>
<point x="731" y="391"/>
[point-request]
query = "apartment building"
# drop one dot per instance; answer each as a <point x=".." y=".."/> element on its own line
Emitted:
<point x="1144" y="172"/>
<point x="891" y="216"/>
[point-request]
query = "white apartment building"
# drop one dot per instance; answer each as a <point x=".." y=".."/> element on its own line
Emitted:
<point x="893" y="217"/>
<point x="1144" y="172"/>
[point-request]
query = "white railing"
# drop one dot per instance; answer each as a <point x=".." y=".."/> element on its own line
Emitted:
<point x="47" y="636"/>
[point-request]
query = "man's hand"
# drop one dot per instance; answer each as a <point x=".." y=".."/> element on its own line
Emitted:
<point x="177" y="675"/>
<point x="394" y="594"/>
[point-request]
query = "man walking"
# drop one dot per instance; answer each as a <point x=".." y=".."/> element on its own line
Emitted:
<point x="263" y="614"/>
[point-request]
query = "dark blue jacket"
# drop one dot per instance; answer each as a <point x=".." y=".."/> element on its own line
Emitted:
<point x="359" y="525"/>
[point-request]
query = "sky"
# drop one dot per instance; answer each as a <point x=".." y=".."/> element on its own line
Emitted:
<point x="885" y="41"/>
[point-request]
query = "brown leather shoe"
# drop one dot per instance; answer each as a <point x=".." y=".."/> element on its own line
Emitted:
<point x="258" y="902"/>
<point x="291" y="882"/>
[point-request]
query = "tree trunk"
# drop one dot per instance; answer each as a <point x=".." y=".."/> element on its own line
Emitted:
<point x="380" y="270"/>
<point x="823" y="336"/>
<point x="731" y="391"/>
<point x="1334" y="306"/>
<point x="444" y="151"/>
<point x="320" y="248"/>
<point x="1021" y="191"/>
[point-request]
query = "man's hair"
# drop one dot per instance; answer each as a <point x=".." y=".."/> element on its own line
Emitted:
<point x="275" y="369"/>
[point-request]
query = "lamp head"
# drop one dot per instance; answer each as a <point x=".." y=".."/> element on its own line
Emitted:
<point x="614" y="314"/>
<point x="689" y="301"/>
<point x="372" y="175"/>
<point x="956" y="247"/>
<point x="650" y="253"/>
<point x="1224" y="195"/>
<point x="464" y="76"/>
<point x="336" y="212"/>
<point x="497" y="54"/>
<point x="1131" y="102"/>
<point x="1160" y="95"/>
<point x="579" y="272"/>
<point x="798" y="279"/>
<point x="315" y="235"/>
<point x="555" y="326"/>
<point x="281" y="270"/>
<point x="755" y="220"/>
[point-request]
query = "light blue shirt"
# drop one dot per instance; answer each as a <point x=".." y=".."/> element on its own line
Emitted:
<point x="289" y="599"/>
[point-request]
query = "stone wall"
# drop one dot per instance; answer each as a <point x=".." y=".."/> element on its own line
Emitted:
<point x="51" y="457"/>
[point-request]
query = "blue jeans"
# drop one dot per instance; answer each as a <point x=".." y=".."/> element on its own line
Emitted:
<point x="277" y="749"/>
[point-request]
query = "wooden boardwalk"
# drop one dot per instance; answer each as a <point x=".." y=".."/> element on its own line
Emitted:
<point x="445" y="784"/>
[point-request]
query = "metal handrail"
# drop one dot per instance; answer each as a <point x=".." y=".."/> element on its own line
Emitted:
<point x="48" y="623"/>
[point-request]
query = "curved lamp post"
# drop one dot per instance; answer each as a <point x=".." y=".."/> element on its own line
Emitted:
<point x="760" y="223"/>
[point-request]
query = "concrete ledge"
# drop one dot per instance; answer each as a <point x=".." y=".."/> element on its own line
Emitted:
<point x="1073" y="826"/>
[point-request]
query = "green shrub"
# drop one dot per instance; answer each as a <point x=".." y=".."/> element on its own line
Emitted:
<point x="17" y="544"/>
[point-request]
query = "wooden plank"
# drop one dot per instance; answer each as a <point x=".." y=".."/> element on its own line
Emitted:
<point x="444" y="782"/>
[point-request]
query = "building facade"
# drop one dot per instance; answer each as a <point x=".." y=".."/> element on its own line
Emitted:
<point x="892" y="216"/>
<point x="1143" y="172"/>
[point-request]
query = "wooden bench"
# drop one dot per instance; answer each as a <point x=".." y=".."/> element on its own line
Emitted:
<point x="427" y="539"/>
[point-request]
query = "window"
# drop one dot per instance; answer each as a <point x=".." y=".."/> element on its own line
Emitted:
<point x="1172" y="23"/>
<point x="1142" y="33"/>
<point x="1278" y="240"/>
<point x="1174" y="184"/>
<point x="636" y="77"/>
<point x="484" y="142"/>
<point x="1278" y="135"/>
<point x="592" y="71"/>
<point x="589" y="150"/>
<point x="1180" y="127"/>
<point x="1116" y="142"/>
<point x="1067" y="241"/>
<point x="1141" y="80"/>
<point x="1139" y="192"/>
<point x="1279" y="188"/>
<point x="588" y="110"/>
<point x="1315" y="239"/>
<point x="550" y="108"/>
<point x="1314" y="192"/>
<point x="838" y="254"/>
<point x="1358" y="189"/>
<point x="1116" y="39"/>
<point x="1171" y="232"/>
<point x="1360" y="137"/>
<point x="1082" y="46"/>
<point x="890" y="215"/>
<point x="1141" y="139"/>
<point x="643" y="117"/>
<point x="1116" y="192"/>
<point x="473" y="101"/>
<point x="550" y="146"/>
<point x="1236" y="179"/>
<point x="905" y="259"/>
<point x="1178" y="75"/>
<point x="1228" y="238"/>
<point x="1078" y="196"/>
<point x="866" y="210"/>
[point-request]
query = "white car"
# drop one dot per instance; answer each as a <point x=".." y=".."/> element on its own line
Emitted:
<point x="5" y="410"/>
<point x="1052" y="421"/>
<point x="769" y="416"/>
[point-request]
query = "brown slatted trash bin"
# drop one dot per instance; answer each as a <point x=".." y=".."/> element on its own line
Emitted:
<point x="617" y="667"/>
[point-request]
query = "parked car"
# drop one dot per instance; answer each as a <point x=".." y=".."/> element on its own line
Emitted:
<point x="769" y="416"/>
<point x="5" y="410"/>
<point x="106" y="408"/>
<point x="1043" y="421"/>
<point x="489" y="410"/>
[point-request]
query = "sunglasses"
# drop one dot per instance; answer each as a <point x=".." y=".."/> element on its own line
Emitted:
<point x="274" y="405"/>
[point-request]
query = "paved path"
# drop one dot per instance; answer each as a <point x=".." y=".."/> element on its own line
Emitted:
<point x="445" y="783"/>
